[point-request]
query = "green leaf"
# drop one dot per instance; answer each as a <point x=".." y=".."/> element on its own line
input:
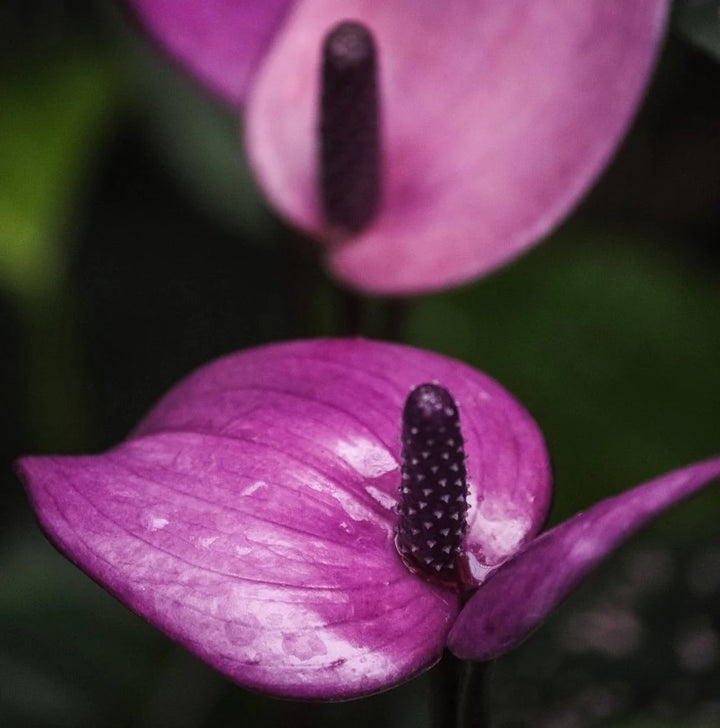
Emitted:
<point x="699" y="22"/>
<point x="50" y="120"/>
<point x="612" y="348"/>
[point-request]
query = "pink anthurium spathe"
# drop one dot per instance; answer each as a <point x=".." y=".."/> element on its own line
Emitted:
<point x="253" y="516"/>
<point x="494" y="117"/>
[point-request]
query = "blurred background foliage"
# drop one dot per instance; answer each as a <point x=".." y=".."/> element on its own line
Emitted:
<point x="134" y="246"/>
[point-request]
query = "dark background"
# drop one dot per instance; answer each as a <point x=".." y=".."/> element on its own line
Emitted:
<point x="134" y="247"/>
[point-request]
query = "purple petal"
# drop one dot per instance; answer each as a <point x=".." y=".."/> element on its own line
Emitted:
<point x="251" y="515"/>
<point x="496" y="118"/>
<point x="219" y="41"/>
<point x="347" y="396"/>
<point x="251" y="558"/>
<point x="520" y="595"/>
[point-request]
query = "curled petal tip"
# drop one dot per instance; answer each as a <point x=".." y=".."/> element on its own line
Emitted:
<point x="522" y="593"/>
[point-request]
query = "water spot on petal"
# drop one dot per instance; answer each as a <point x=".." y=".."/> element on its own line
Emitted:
<point x="155" y="523"/>
<point x="346" y="527"/>
<point x="366" y="457"/>
<point x="303" y="645"/>
<point x="258" y="489"/>
<point x="243" y="632"/>
<point x="206" y="542"/>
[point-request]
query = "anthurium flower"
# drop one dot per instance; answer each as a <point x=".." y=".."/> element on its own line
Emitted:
<point x="493" y="117"/>
<point x="296" y="518"/>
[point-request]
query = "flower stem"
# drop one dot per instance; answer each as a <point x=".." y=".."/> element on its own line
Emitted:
<point x="458" y="700"/>
<point x="301" y="277"/>
<point x="470" y="709"/>
<point x="351" y="313"/>
<point x="396" y="318"/>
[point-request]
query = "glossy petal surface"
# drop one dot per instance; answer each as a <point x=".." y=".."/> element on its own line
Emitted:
<point x="219" y="41"/>
<point x="345" y="398"/>
<point x="524" y="591"/>
<point x="496" y="117"/>
<point x="250" y="515"/>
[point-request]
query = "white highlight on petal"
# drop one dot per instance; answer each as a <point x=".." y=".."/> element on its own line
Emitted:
<point x="155" y="523"/>
<point x="383" y="498"/>
<point x="260" y="485"/>
<point x="367" y="457"/>
<point x="284" y="632"/>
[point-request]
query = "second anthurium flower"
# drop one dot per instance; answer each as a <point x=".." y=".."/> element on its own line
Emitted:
<point x="473" y="129"/>
<point x="321" y="519"/>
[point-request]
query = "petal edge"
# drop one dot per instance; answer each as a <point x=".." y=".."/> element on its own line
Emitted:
<point x="521" y="593"/>
<point x="220" y="42"/>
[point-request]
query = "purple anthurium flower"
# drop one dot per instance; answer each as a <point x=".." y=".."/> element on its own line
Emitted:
<point x="254" y="516"/>
<point x="493" y="118"/>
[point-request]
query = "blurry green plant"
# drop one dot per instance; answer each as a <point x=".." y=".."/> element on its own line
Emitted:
<point x="54" y="113"/>
<point x="51" y="118"/>
<point x="200" y="141"/>
<point x="699" y="22"/>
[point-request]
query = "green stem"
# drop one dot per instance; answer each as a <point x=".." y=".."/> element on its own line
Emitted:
<point x="396" y="318"/>
<point x="301" y="260"/>
<point x="458" y="700"/>
<point x="351" y="313"/>
<point x="471" y="710"/>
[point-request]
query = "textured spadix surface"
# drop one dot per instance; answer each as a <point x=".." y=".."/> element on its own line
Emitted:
<point x="251" y="517"/>
<point x="496" y="116"/>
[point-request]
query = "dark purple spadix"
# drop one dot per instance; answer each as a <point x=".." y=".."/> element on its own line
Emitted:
<point x="349" y="128"/>
<point x="433" y="493"/>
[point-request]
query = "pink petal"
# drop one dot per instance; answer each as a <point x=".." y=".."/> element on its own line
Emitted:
<point x="250" y="516"/>
<point x="249" y="557"/>
<point x="219" y="41"/>
<point x="346" y="398"/>
<point x="497" y="117"/>
<point x="520" y="595"/>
